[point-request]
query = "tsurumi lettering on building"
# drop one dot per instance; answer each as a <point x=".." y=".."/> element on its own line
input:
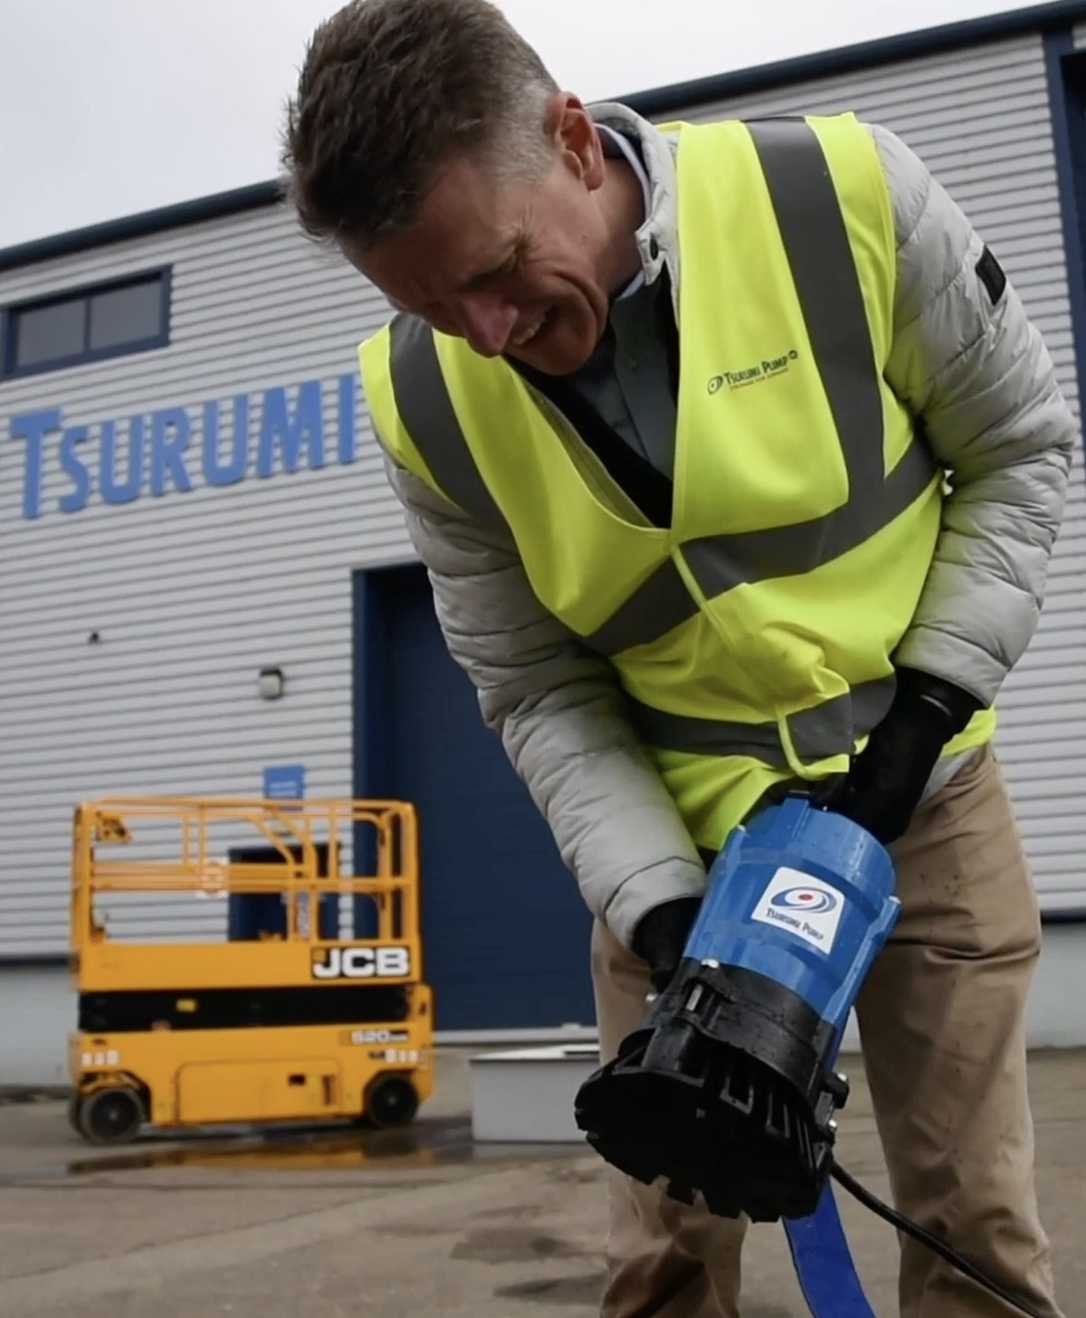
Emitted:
<point x="173" y="449"/>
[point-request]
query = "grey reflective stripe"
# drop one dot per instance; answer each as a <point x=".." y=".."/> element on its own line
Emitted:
<point x="721" y="562"/>
<point x="909" y="479"/>
<point x="824" y="273"/>
<point x="831" y="728"/>
<point x="655" y="607"/>
<point x="426" y="410"/>
<point x="816" y="243"/>
<point x="677" y="732"/>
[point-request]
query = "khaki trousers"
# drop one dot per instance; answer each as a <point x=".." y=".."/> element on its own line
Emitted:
<point x="941" y="1023"/>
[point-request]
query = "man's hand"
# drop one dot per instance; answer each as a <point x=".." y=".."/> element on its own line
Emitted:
<point x="661" y="935"/>
<point x="887" y="779"/>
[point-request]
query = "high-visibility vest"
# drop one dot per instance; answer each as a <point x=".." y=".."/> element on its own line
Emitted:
<point x="754" y="635"/>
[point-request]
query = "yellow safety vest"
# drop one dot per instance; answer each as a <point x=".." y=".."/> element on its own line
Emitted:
<point x="754" y="635"/>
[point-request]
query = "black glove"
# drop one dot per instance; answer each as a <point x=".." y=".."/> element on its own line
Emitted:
<point x="886" y="781"/>
<point x="661" y="936"/>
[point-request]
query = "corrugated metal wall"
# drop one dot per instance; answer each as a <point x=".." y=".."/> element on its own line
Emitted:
<point x="980" y="119"/>
<point x="192" y="593"/>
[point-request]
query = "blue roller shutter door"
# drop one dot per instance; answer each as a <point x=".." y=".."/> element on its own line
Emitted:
<point x="505" y="931"/>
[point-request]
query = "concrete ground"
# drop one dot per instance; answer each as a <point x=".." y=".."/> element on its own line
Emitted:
<point x="305" y="1224"/>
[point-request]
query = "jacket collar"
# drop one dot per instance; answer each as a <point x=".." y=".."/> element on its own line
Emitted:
<point x="657" y="236"/>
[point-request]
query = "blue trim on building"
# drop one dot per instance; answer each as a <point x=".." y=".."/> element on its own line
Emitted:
<point x="865" y="55"/>
<point x="361" y="771"/>
<point x="9" y="315"/>
<point x="369" y="731"/>
<point x="370" y="728"/>
<point x="1066" y="70"/>
<point x="165" y="326"/>
<point x="162" y="218"/>
<point x="926" y="41"/>
<point x="360" y="767"/>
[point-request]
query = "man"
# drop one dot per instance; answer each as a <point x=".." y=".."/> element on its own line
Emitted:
<point x="725" y="448"/>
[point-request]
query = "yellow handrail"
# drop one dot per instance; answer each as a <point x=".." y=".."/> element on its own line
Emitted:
<point x="294" y="830"/>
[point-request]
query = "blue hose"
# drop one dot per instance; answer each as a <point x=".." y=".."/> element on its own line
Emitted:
<point x="824" y="1267"/>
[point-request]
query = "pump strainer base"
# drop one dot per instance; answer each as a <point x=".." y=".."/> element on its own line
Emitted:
<point x="729" y="1098"/>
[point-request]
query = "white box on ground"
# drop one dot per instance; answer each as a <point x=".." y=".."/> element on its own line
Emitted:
<point x="526" y="1095"/>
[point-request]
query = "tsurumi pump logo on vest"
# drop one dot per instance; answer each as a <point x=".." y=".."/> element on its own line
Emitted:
<point x="748" y="375"/>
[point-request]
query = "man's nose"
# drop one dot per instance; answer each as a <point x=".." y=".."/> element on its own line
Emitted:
<point x="488" y="322"/>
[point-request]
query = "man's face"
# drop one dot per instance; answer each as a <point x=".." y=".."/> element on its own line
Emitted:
<point x="520" y="268"/>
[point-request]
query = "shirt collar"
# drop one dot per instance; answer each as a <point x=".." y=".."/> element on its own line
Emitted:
<point x="657" y="236"/>
<point x="614" y="146"/>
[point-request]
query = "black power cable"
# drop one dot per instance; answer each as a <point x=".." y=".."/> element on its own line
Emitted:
<point x="940" y="1247"/>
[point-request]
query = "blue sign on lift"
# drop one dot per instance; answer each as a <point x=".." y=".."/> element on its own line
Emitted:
<point x="284" y="782"/>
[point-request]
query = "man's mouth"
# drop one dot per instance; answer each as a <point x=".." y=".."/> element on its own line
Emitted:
<point x="529" y="332"/>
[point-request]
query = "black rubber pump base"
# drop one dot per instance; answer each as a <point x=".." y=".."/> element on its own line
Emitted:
<point x="724" y="1094"/>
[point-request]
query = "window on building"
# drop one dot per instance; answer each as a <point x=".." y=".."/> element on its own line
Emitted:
<point x="87" y="324"/>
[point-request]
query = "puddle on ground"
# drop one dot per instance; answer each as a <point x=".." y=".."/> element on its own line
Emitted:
<point x="513" y="1245"/>
<point x="277" y="1148"/>
<point x="583" y="1289"/>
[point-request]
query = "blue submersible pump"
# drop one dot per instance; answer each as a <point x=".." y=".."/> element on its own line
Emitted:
<point x="728" y="1090"/>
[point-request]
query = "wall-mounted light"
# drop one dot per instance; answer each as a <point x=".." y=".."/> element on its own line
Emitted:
<point x="271" y="683"/>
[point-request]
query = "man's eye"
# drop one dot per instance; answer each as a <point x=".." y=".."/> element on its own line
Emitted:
<point x="503" y="271"/>
<point x="510" y="266"/>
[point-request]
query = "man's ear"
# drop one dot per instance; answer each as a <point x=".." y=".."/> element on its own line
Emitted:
<point x="569" y="126"/>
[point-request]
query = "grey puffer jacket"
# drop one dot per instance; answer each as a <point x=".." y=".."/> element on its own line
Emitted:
<point x="976" y="372"/>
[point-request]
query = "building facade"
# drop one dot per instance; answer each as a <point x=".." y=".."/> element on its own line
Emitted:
<point x="192" y="503"/>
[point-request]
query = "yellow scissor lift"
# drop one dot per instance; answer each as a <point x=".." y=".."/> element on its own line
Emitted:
<point x="292" y="1021"/>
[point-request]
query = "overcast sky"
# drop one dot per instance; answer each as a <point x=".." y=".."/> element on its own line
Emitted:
<point x="108" y="107"/>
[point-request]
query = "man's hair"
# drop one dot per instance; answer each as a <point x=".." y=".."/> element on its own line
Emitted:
<point x="389" y="90"/>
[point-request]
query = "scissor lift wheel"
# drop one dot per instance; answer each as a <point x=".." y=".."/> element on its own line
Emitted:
<point x="108" y="1116"/>
<point x="392" y="1101"/>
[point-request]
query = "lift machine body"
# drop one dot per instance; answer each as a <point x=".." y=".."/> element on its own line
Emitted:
<point x="306" y="1002"/>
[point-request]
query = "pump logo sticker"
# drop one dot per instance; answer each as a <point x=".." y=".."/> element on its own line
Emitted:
<point x="802" y="905"/>
<point x="805" y="899"/>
